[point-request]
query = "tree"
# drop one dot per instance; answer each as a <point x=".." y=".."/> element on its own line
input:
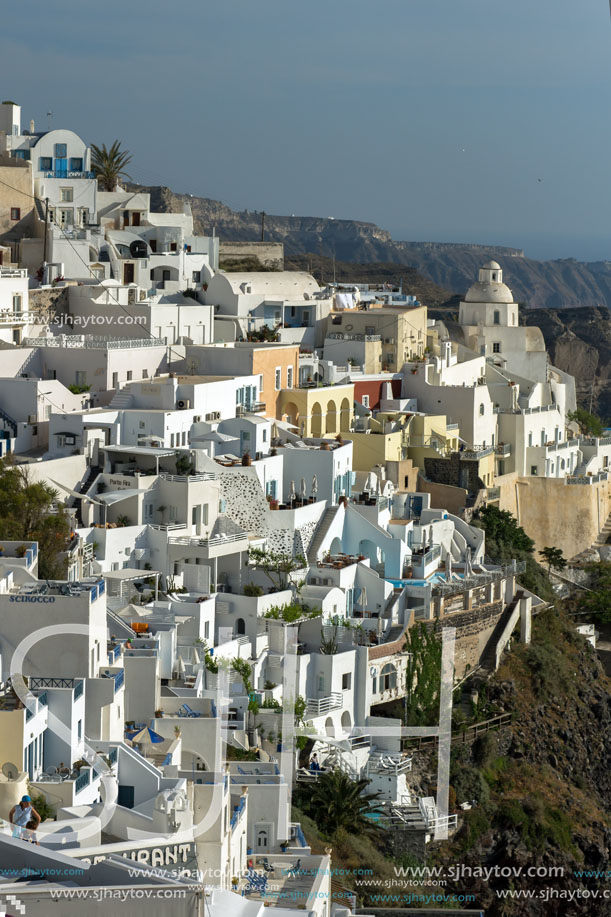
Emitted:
<point x="554" y="558"/>
<point x="277" y="566"/>
<point x="28" y="512"/>
<point x="502" y="528"/>
<point x="109" y="165"/>
<point x="589" y="424"/>
<point x="336" y="802"/>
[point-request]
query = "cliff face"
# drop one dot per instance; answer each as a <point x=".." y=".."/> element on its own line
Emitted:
<point x="579" y="342"/>
<point x="538" y="284"/>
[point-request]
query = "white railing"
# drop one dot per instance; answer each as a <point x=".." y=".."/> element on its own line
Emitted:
<point x="209" y="542"/>
<point x="92" y="342"/>
<point x="320" y="705"/>
<point x="182" y="478"/>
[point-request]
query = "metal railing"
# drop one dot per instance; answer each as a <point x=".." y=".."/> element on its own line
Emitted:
<point x="67" y="173"/>
<point x="83" y="780"/>
<point x="320" y="705"/>
<point x="253" y="408"/>
<point x="209" y="542"/>
<point x="587" y="479"/>
<point x="237" y="812"/>
<point x="298" y="834"/>
<point x="479" y="579"/>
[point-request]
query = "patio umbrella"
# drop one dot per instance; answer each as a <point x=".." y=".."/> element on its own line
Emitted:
<point x="195" y="657"/>
<point x="363" y="598"/>
<point x="468" y="566"/>
<point x="314" y="485"/>
<point x="179" y="668"/>
<point x="448" y="567"/>
<point x="292" y="494"/>
<point x="304" y="489"/>
<point x="147" y="735"/>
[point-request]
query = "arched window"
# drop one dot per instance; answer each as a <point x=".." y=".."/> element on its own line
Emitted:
<point x="388" y="677"/>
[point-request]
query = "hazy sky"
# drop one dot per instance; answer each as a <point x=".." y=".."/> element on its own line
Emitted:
<point x="433" y="118"/>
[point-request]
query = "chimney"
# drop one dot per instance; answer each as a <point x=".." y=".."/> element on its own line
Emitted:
<point x="32" y="126"/>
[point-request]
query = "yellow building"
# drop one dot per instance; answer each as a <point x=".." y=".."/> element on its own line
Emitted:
<point x="16" y="205"/>
<point x="317" y="412"/>
<point x="429" y="435"/>
<point x="400" y="333"/>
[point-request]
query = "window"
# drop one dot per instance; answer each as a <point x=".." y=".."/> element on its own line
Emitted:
<point x="482" y="409"/>
<point x="61" y="150"/>
<point x="196" y="276"/>
<point x="21" y="154"/>
<point x="278" y="381"/>
<point x="80" y="377"/>
<point x="171" y="441"/>
<point x="369" y="329"/>
<point x="346" y="681"/>
<point x="17" y="302"/>
<point x="66" y="194"/>
<point x="534" y="470"/>
<point x="289" y="377"/>
<point x="66" y="217"/>
<point x="46" y="163"/>
<point x="260" y="384"/>
<point x="530" y="439"/>
<point x="115" y="380"/>
<point x="76" y="164"/>
<point x="264" y="436"/>
<point x="129" y="375"/>
<point x="496" y="317"/>
<point x="496" y="347"/>
<point x="365" y="401"/>
<point x="79" y="730"/>
<point x="145" y="373"/>
<point x="15" y="213"/>
<point x="388" y="677"/>
<point x="83" y="216"/>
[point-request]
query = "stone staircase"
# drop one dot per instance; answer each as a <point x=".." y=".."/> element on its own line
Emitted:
<point x="121" y="399"/>
<point x="604" y="536"/>
<point x="323" y="527"/>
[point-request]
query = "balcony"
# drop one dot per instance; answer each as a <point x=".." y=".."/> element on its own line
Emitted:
<point x="70" y="684"/>
<point x="479" y="452"/>
<point x="188" y="478"/>
<point x="64" y="174"/>
<point x="321" y="705"/>
<point x="503" y="450"/>
<point x="255" y="407"/>
<point x="210" y="542"/>
<point x="13" y="273"/>
<point x="587" y="478"/>
<point x="118" y="677"/>
<point x="237" y="813"/>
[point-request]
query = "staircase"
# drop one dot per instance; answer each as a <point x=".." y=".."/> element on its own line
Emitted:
<point x="323" y="527"/>
<point x="604" y="536"/>
<point x="121" y="399"/>
<point x="82" y="488"/>
<point x="9" y="421"/>
<point x="487" y="659"/>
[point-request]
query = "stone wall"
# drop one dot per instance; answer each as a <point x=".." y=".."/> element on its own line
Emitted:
<point x="474" y="628"/>
<point x="565" y="516"/>
<point x="268" y="254"/>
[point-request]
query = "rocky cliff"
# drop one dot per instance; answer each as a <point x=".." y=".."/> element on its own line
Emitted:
<point x="538" y="284"/>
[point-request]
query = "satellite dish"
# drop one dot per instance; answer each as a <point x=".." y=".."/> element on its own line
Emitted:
<point x="10" y="771"/>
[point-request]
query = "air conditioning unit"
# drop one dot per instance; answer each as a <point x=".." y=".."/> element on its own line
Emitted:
<point x="183" y="404"/>
<point x="213" y="415"/>
<point x="389" y="340"/>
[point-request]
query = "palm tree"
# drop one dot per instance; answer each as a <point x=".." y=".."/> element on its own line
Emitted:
<point x="109" y="165"/>
<point x="335" y="801"/>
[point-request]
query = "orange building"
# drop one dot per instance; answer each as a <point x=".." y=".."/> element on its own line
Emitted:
<point x="276" y="365"/>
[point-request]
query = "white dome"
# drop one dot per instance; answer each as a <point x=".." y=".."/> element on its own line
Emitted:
<point x="491" y="266"/>
<point x="489" y="291"/>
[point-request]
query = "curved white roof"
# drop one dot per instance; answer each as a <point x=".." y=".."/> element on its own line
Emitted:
<point x="482" y="291"/>
<point x="283" y="284"/>
<point x="491" y="266"/>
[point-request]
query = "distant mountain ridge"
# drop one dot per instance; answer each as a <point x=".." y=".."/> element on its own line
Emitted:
<point x="538" y="284"/>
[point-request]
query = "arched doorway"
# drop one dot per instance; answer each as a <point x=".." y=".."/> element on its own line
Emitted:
<point x="331" y="426"/>
<point x="346" y="721"/>
<point x="336" y="546"/>
<point x="316" y="420"/>
<point x="329" y="727"/>
<point x="344" y="416"/>
<point x="240" y="627"/>
<point x="290" y="413"/>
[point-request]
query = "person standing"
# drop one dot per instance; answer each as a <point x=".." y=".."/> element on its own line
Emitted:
<point x="21" y="814"/>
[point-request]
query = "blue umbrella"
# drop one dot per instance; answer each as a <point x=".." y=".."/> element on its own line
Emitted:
<point x="147" y="735"/>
